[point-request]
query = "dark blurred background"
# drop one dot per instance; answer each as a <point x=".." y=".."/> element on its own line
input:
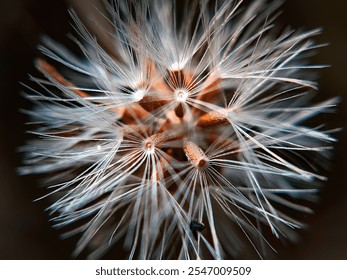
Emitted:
<point x="25" y="232"/>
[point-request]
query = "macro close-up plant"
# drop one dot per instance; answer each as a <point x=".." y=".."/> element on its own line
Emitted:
<point x="183" y="130"/>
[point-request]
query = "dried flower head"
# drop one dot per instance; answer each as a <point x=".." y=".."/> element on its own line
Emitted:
<point x="186" y="137"/>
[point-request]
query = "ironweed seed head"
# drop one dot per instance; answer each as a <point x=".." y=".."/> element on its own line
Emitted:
<point x="189" y="139"/>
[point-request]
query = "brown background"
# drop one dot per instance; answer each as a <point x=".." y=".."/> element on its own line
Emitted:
<point x="25" y="232"/>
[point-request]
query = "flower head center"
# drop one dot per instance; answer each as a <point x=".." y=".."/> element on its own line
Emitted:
<point x="149" y="147"/>
<point x="139" y="94"/>
<point x="181" y="95"/>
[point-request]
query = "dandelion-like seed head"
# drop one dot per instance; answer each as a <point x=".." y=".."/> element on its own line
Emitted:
<point x="185" y="136"/>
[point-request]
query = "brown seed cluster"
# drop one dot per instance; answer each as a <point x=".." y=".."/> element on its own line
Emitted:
<point x="173" y="93"/>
